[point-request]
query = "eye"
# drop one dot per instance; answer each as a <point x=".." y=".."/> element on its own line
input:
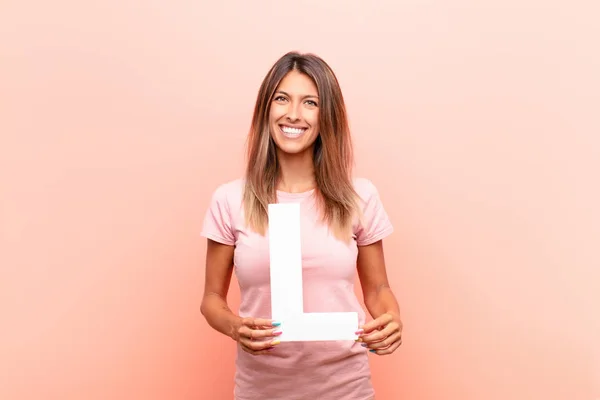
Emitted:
<point x="312" y="103"/>
<point x="279" y="98"/>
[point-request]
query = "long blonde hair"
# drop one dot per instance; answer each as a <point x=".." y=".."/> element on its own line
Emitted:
<point x="333" y="154"/>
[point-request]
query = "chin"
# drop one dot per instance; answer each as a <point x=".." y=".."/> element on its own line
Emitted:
<point x="293" y="150"/>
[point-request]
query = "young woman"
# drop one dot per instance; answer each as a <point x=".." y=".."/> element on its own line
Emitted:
<point x="299" y="150"/>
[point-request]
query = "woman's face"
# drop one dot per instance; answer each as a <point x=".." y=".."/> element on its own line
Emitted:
<point x="294" y="114"/>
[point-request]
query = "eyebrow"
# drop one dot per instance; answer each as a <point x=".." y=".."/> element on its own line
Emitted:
<point x="304" y="97"/>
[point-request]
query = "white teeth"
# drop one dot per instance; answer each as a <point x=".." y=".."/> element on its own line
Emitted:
<point x="292" y="131"/>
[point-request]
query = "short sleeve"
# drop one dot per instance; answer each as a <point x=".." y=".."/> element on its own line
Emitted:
<point x="217" y="224"/>
<point x="375" y="224"/>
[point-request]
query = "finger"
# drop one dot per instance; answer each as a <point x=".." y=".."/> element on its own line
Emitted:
<point x="386" y="342"/>
<point x="379" y="335"/>
<point x="379" y="322"/>
<point x="258" y="346"/>
<point x="389" y="350"/>
<point x="247" y="332"/>
<point x="255" y="353"/>
<point x="257" y="334"/>
<point x="260" y="322"/>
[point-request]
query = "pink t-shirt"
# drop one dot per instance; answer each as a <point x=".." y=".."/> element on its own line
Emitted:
<point x="328" y="370"/>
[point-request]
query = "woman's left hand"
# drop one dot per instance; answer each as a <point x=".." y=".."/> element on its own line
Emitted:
<point x="383" y="335"/>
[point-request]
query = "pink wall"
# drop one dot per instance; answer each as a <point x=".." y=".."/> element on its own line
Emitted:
<point x="478" y="121"/>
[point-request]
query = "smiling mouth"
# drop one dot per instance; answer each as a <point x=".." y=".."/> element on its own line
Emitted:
<point x="291" y="132"/>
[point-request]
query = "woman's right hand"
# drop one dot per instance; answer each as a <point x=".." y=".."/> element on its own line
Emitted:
<point x="256" y="335"/>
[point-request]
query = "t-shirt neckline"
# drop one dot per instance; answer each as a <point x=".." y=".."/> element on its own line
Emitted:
<point x="295" y="195"/>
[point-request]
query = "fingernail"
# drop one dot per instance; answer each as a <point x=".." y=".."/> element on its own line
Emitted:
<point x="372" y="350"/>
<point x="277" y="332"/>
<point x="275" y="323"/>
<point x="358" y="332"/>
<point x="363" y="344"/>
<point x="275" y="342"/>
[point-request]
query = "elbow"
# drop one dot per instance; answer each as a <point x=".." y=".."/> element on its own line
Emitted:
<point x="204" y="307"/>
<point x="211" y="302"/>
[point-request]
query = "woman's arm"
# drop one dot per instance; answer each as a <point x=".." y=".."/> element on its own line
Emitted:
<point x="378" y="295"/>
<point x="379" y="300"/>
<point x="219" y="267"/>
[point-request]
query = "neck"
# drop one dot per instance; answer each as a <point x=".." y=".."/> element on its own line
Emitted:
<point x="297" y="172"/>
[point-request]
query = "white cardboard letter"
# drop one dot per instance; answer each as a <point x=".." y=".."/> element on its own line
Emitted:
<point x="286" y="285"/>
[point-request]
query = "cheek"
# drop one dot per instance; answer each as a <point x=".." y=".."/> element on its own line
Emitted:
<point x="274" y="113"/>
<point x="314" y="121"/>
<point x="311" y="117"/>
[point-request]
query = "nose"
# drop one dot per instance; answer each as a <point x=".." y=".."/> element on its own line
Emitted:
<point x="293" y="113"/>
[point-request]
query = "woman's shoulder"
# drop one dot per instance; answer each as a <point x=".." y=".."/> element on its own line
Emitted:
<point x="374" y="221"/>
<point x="365" y="188"/>
<point x="229" y="191"/>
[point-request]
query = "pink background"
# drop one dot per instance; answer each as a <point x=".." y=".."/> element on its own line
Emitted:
<point x="477" y="120"/>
